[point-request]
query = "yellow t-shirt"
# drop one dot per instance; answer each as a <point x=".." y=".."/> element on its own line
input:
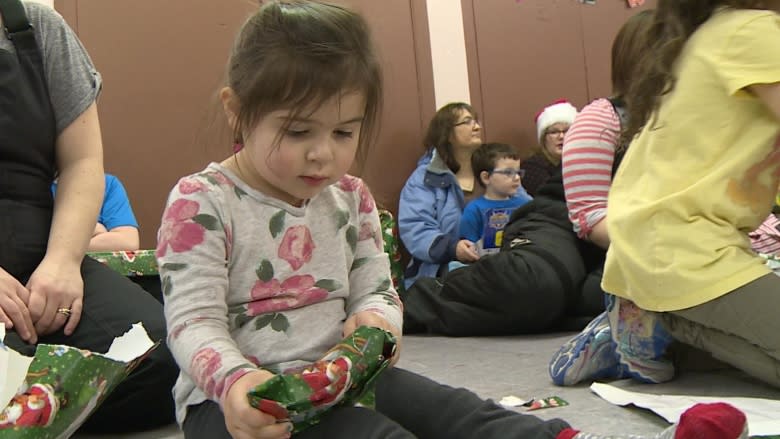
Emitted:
<point x="702" y="175"/>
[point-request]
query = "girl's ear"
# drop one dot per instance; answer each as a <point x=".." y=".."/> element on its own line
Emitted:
<point x="230" y="105"/>
<point x="484" y="176"/>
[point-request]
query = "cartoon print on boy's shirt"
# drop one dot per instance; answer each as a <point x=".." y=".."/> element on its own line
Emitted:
<point x="750" y="191"/>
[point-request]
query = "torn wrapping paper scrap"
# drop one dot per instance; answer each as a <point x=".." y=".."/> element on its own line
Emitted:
<point x="545" y="403"/>
<point x="343" y="376"/>
<point x="761" y="413"/>
<point x="50" y="395"/>
<point x="514" y="401"/>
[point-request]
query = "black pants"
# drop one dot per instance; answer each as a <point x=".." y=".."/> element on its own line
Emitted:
<point x="533" y="288"/>
<point x="407" y="406"/>
<point x="112" y="303"/>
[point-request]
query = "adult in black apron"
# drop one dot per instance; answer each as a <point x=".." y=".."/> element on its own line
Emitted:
<point x="111" y="303"/>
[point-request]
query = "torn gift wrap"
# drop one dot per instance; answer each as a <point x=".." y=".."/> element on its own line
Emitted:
<point x="343" y="376"/>
<point x="50" y="395"/>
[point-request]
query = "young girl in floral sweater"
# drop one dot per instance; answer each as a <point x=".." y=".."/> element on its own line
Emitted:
<point x="269" y="258"/>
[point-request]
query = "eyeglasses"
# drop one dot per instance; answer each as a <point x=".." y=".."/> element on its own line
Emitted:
<point x="470" y="121"/>
<point x="511" y="173"/>
<point x="557" y="132"/>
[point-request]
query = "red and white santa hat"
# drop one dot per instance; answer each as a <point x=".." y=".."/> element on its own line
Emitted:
<point x="559" y="111"/>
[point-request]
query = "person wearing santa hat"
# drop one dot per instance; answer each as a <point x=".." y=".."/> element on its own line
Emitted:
<point x="551" y="126"/>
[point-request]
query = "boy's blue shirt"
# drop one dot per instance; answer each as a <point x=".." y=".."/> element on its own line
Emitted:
<point x="115" y="211"/>
<point x="484" y="219"/>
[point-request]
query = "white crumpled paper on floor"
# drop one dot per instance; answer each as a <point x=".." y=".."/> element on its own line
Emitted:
<point x="762" y="414"/>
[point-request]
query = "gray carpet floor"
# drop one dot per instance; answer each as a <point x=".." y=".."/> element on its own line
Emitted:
<point x="495" y="367"/>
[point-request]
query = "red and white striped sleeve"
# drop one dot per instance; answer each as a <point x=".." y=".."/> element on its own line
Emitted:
<point x="766" y="238"/>
<point x="588" y="154"/>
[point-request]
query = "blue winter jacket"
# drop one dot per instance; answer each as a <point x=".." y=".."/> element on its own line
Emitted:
<point x="429" y="214"/>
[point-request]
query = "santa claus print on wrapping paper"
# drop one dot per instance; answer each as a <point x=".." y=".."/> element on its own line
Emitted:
<point x="328" y="380"/>
<point x="33" y="407"/>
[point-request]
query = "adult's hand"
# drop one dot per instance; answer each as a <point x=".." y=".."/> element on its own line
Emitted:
<point x="13" y="307"/>
<point x="56" y="297"/>
<point x="466" y="251"/>
<point x="246" y="422"/>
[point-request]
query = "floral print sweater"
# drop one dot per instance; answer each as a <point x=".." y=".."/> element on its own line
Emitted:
<point x="250" y="281"/>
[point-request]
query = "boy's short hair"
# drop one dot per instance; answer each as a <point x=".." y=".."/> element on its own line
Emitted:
<point x="487" y="155"/>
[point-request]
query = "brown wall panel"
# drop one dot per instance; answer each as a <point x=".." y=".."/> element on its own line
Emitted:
<point x="600" y="24"/>
<point x="528" y="54"/>
<point x="400" y="32"/>
<point x="68" y="10"/>
<point x="524" y="55"/>
<point x="162" y="62"/>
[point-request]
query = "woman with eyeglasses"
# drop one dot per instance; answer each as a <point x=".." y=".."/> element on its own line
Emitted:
<point x="434" y="196"/>
<point x="551" y="126"/>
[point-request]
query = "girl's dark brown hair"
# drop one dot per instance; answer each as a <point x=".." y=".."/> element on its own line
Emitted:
<point x="295" y="55"/>
<point x="440" y="128"/>
<point x="674" y="21"/>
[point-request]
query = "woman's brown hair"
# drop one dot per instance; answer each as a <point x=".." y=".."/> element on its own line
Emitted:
<point x="439" y="129"/>
<point x="674" y="21"/>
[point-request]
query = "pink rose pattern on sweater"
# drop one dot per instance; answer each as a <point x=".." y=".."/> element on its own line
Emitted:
<point x="179" y="230"/>
<point x="297" y="246"/>
<point x="293" y="292"/>
<point x="251" y="281"/>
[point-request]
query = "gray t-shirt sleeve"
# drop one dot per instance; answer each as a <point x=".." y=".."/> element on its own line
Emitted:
<point x="74" y="83"/>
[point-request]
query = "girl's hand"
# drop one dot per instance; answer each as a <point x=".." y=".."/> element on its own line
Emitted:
<point x="53" y="289"/>
<point x="369" y="318"/>
<point x="13" y="307"/>
<point x="466" y="251"/>
<point x="246" y="422"/>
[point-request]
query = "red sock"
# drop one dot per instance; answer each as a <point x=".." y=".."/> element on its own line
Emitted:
<point x="569" y="433"/>
<point x="711" y="421"/>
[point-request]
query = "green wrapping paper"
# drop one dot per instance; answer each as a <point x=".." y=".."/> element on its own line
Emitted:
<point x="344" y="376"/>
<point x="129" y="263"/>
<point x="62" y="385"/>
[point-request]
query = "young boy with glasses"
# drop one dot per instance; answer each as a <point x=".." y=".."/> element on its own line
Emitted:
<point x="496" y="168"/>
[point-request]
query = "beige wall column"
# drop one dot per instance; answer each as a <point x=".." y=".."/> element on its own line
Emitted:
<point x="448" y="51"/>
